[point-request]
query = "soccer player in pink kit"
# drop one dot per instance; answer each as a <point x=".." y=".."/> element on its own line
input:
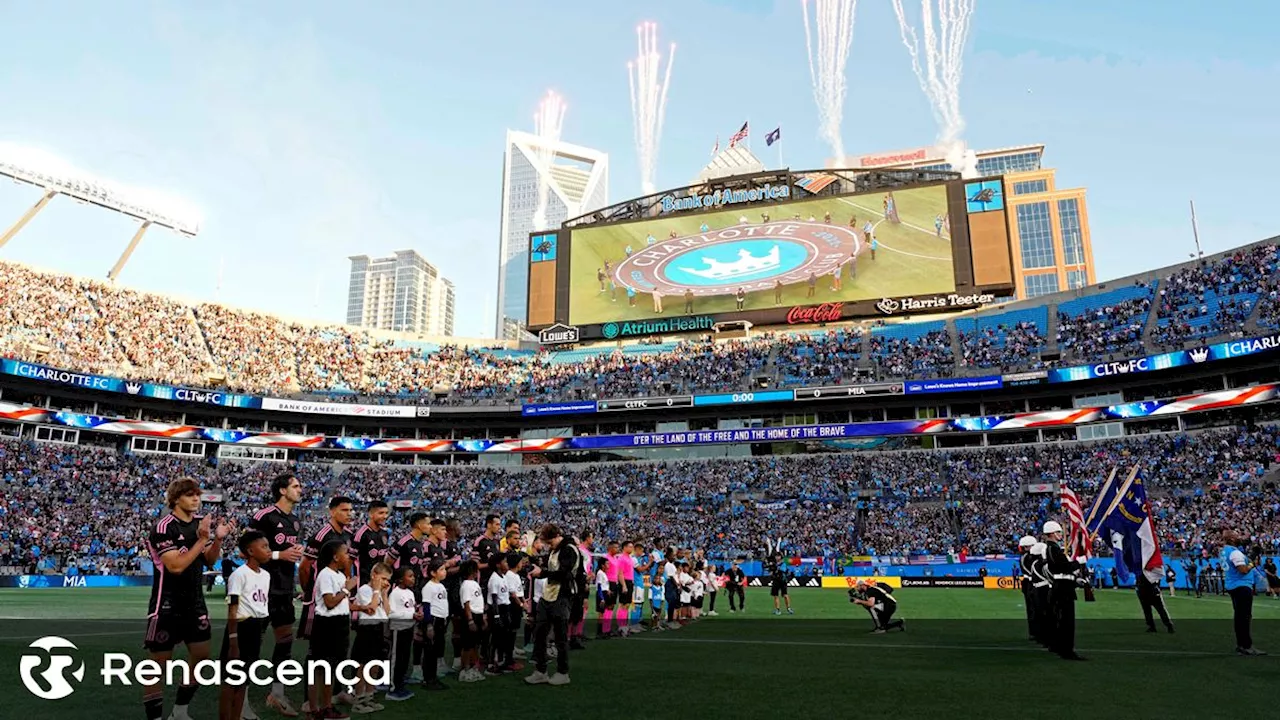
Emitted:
<point x="611" y="569"/>
<point x="627" y="587"/>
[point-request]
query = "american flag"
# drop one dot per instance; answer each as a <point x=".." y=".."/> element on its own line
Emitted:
<point x="739" y="136"/>
<point x="1078" y="539"/>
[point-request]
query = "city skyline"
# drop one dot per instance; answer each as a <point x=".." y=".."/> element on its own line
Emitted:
<point x="301" y="130"/>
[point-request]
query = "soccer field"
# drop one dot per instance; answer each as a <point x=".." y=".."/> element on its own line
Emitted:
<point x="964" y="654"/>
<point x="911" y="260"/>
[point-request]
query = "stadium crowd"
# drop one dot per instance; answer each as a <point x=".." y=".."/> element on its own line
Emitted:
<point x="94" y="327"/>
<point x="86" y="508"/>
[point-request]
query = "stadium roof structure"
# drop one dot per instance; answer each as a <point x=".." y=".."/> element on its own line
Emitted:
<point x="57" y="177"/>
<point x="813" y="182"/>
<point x="735" y="160"/>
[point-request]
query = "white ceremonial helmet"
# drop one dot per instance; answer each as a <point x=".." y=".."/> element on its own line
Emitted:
<point x="1052" y="527"/>
<point x="1039" y="549"/>
<point x="1026" y="541"/>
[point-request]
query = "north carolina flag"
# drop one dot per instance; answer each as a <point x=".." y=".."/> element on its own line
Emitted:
<point x="739" y="136"/>
<point x="774" y="136"/>
<point x="1133" y="532"/>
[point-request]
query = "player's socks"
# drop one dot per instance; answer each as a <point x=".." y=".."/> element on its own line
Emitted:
<point x="154" y="706"/>
<point x="185" y="694"/>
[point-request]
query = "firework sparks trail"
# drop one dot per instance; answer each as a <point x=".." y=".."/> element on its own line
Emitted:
<point x="943" y="67"/>
<point x="833" y="25"/>
<point x="649" y="85"/>
<point x="547" y="124"/>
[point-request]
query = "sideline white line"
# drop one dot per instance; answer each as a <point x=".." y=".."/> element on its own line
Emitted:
<point x="140" y="630"/>
<point x="1225" y="601"/>
<point x="922" y="646"/>
<point x="883" y="246"/>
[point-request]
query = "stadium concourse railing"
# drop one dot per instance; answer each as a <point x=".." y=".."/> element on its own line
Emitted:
<point x="1194" y="356"/>
<point x="1171" y="407"/>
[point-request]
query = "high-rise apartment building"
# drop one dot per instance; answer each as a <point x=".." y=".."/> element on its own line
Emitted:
<point x="402" y="292"/>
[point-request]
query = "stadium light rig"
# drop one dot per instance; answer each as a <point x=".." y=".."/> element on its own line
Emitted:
<point x="57" y="177"/>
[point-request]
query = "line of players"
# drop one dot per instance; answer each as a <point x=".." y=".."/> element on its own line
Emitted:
<point x="417" y="589"/>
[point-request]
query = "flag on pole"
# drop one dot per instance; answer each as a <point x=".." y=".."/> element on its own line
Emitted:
<point x="715" y="150"/>
<point x="1133" y="529"/>
<point x="1078" y="539"/>
<point x="740" y="135"/>
<point x="774" y="136"/>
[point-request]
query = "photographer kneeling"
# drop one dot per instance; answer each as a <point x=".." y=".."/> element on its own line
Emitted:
<point x="878" y="599"/>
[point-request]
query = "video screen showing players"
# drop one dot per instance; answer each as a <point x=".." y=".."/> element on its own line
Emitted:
<point x="831" y="249"/>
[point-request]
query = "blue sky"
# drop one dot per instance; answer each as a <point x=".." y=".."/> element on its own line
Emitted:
<point x="310" y="131"/>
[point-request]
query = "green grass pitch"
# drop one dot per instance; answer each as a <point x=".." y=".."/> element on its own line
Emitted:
<point x="964" y="654"/>
<point x="911" y="259"/>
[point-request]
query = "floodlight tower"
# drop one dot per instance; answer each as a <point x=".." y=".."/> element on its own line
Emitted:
<point x="56" y="177"/>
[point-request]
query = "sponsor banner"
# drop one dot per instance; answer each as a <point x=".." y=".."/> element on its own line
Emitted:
<point x="73" y="581"/>
<point x="1035" y="377"/>
<point x="844" y="582"/>
<point x="562" y="408"/>
<point x="1165" y="361"/>
<point x="211" y="497"/>
<point x="812" y="314"/>
<point x="721" y="198"/>
<point x="402" y="504"/>
<point x="743" y="398"/>
<point x="559" y="334"/>
<point x="991" y="382"/>
<point x="61" y="377"/>
<point x="191" y="395"/>
<point x="349" y="409"/>
<point x="911" y="304"/>
<point x="795" y="581"/>
<point x="841" y="392"/>
<point x="943" y="582"/>
<point x="657" y="326"/>
<point x="1039" y="488"/>
<point x="1004" y="582"/>
<point x="617" y="404"/>
<point x="900" y="157"/>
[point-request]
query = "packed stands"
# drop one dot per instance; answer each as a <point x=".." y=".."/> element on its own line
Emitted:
<point x="1009" y="340"/>
<point x="88" y="507"/>
<point x="1105" y="324"/>
<point x="1214" y="298"/>
<point x="85" y="325"/>
<point x="913" y="350"/>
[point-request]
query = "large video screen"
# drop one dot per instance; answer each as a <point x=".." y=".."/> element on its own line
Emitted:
<point x="828" y="250"/>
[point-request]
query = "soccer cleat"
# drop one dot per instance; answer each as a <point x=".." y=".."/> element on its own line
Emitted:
<point x="558" y="679"/>
<point x="177" y="714"/>
<point x="1249" y="652"/>
<point x="537" y="678"/>
<point x="790" y="611"/>
<point x="776" y="611"/>
<point x="400" y="695"/>
<point x="878" y="631"/>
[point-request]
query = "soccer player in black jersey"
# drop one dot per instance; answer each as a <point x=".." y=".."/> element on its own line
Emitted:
<point x="486" y="547"/>
<point x="369" y="544"/>
<point x="283" y="530"/>
<point x="181" y="548"/>
<point x="451" y="543"/>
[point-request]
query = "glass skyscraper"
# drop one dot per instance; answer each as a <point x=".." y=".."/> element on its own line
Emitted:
<point x="577" y="182"/>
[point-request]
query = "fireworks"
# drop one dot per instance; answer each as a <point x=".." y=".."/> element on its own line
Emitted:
<point x="547" y="123"/>
<point x="943" y="49"/>
<point x="833" y="25"/>
<point x="649" y="85"/>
